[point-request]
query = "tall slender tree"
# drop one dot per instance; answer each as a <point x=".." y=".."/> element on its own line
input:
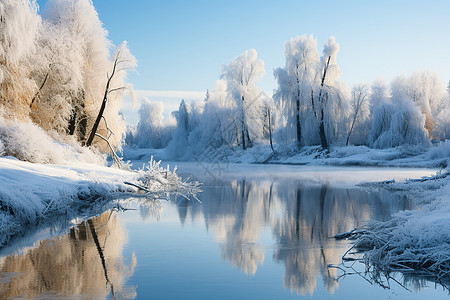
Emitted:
<point x="296" y="81"/>
<point x="241" y="75"/>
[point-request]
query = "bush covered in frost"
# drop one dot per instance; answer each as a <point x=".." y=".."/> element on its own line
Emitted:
<point x="29" y="142"/>
<point x="398" y="124"/>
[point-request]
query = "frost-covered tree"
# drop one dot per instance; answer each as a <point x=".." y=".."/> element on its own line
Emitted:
<point x="328" y="93"/>
<point x="150" y="130"/>
<point x="295" y="91"/>
<point x="59" y="77"/>
<point x="396" y="124"/>
<point x="19" y="28"/>
<point x="215" y="122"/>
<point x="379" y="93"/>
<point x="397" y="119"/>
<point x="359" y="105"/>
<point x="123" y="60"/>
<point x="241" y="75"/>
<point x="308" y="91"/>
<point x="77" y="71"/>
<point x="426" y="91"/>
<point x="181" y="132"/>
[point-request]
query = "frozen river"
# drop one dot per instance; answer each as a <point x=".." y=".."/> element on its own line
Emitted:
<point x="258" y="232"/>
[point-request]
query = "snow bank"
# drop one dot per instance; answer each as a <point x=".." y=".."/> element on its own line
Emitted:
<point x="404" y="156"/>
<point x="31" y="193"/>
<point x="436" y="156"/>
<point x="27" y="141"/>
<point x="413" y="241"/>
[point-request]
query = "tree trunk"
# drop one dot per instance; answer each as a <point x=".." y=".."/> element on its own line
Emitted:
<point x="82" y="124"/>
<point x="249" y="141"/>
<point x="40" y="88"/>
<point x="243" y="136"/>
<point x="299" y="128"/>
<point x="102" y="108"/>
<point x="270" y="130"/>
<point x="323" y="138"/>
<point x="298" y="121"/>
<point x="246" y="142"/>
<point x="350" y="132"/>
<point x="97" y="121"/>
<point x="72" y="120"/>
<point x="312" y="103"/>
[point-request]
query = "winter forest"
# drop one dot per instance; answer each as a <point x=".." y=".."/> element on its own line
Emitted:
<point x="55" y="67"/>
<point x="308" y="107"/>
<point x="308" y="179"/>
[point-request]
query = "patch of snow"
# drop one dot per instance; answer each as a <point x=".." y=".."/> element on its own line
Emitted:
<point x="31" y="192"/>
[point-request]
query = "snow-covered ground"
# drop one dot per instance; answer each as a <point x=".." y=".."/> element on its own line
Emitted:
<point x="31" y="192"/>
<point x="437" y="156"/>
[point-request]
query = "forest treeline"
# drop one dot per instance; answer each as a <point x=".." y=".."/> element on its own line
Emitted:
<point x="58" y="70"/>
<point x="310" y="106"/>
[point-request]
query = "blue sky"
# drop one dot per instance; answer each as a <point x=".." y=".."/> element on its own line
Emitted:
<point x="181" y="45"/>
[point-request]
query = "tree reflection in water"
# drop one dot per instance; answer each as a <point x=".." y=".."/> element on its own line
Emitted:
<point x="302" y="217"/>
<point x="299" y="217"/>
<point x="80" y="263"/>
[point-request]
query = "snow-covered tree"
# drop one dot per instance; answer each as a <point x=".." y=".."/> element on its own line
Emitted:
<point x="180" y="134"/>
<point x="19" y="28"/>
<point x="296" y="81"/>
<point x="359" y="106"/>
<point x="58" y="73"/>
<point x="328" y="94"/>
<point x="150" y="130"/>
<point x="241" y="75"/>
<point x="215" y="123"/>
<point x="396" y="124"/>
<point x="308" y="91"/>
<point x="77" y="71"/>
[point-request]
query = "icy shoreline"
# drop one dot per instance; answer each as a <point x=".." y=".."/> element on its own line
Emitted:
<point x="437" y="156"/>
<point x="32" y="193"/>
<point x="414" y="243"/>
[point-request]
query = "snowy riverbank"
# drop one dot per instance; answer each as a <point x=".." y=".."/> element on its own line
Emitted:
<point x="437" y="156"/>
<point x="415" y="243"/>
<point x="31" y="193"/>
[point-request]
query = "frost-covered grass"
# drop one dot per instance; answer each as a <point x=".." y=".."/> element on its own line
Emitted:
<point x="413" y="242"/>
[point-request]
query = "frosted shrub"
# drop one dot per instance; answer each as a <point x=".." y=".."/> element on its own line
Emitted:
<point x="440" y="151"/>
<point x="150" y="131"/>
<point x="162" y="183"/>
<point x="398" y="124"/>
<point x="29" y="142"/>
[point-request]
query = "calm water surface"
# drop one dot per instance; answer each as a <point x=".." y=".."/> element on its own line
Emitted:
<point x="252" y="237"/>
